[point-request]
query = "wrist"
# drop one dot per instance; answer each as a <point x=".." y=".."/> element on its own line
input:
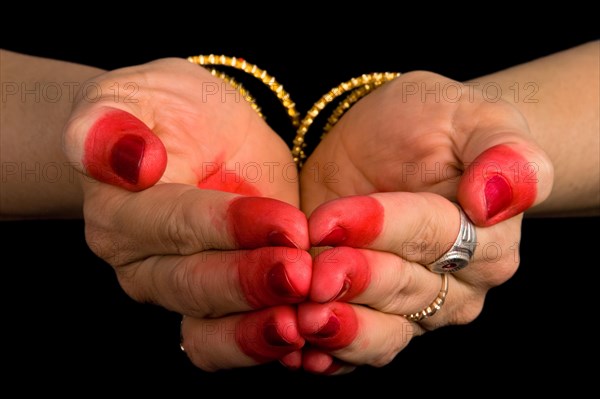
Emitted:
<point x="37" y="179"/>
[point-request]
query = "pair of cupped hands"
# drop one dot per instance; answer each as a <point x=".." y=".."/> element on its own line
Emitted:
<point x="197" y="205"/>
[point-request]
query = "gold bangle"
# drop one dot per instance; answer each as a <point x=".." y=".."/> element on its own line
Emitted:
<point x="261" y="74"/>
<point x="359" y="87"/>
<point x="240" y="88"/>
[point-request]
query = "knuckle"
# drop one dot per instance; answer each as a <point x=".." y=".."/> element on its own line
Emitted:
<point x="398" y="298"/>
<point x="187" y="282"/>
<point x="468" y="310"/>
<point x="195" y="349"/>
<point x="177" y="230"/>
<point x="181" y="232"/>
<point x="493" y="273"/>
<point x="394" y="345"/>
<point x="103" y="244"/>
<point x="127" y="276"/>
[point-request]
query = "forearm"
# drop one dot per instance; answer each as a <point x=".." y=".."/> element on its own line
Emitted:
<point x="559" y="96"/>
<point x="36" y="177"/>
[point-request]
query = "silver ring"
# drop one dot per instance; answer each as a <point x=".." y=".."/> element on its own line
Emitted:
<point x="461" y="252"/>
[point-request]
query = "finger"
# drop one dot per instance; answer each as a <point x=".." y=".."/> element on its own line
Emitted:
<point x="418" y="227"/>
<point x="114" y="146"/>
<point x="293" y="360"/>
<point x="319" y="362"/>
<point x="181" y="219"/>
<point x="390" y="284"/>
<point x="355" y="334"/>
<point x="215" y="283"/>
<point x="503" y="180"/>
<point x="381" y="280"/>
<point x="241" y="340"/>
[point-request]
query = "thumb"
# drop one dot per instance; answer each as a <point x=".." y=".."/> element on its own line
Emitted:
<point x="503" y="180"/>
<point x="115" y="147"/>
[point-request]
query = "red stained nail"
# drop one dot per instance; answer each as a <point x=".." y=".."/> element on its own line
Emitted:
<point x="260" y="222"/>
<point x="343" y="290"/>
<point x="272" y="336"/>
<point x="498" y="195"/>
<point x="333" y="367"/>
<point x="335" y="237"/>
<point x="338" y="332"/>
<point x="339" y="274"/>
<point x="126" y="157"/>
<point x="278" y="239"/>
<point x="490" y="195"/>
<point x="330" y="329"/>
<point x="275" y="275"/>
<point x="121" y="150"/>
<point x="279" y="282"/>
<point x="354" y="221"/>
<point x="269" y="334"/>
<point x="292" y="361"/>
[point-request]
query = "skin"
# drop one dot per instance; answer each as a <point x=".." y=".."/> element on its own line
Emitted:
<point x="179" y="246"/>
<point x="368" y="222"/>
<point x="136" y="156"/>
<point x="31" y="136"/>
<point x="414" y="156"/>
<point x="175" y="235"/>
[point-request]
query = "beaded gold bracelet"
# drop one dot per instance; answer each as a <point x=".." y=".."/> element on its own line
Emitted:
<point x="359" y="87"/>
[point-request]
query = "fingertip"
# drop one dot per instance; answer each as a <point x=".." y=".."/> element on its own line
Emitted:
<point x="269" y="334"/>
<point x="353" y="221"/>
<point x="298" y="268"/>
<point x="317" y="362"/>
<point x="339" y="274"/>
<point x="329" y="326"/>
<point x="500" y="184"/>
<point x="121" y="150"/>
<point x="258" y="222"/>
<point x="292" y="361"/>
<point x="274" y="276"/>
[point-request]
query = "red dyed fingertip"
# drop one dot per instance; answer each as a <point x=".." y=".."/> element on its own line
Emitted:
<point x="318" y="362"/>
<point x="275" y="276"/>
<point x="269" y="334"/>
<point x="339" y="274"/>
<point x="262" y="222"/>
<point x="498" y="185"/>
<point x="354" y="221"/>
<point x="121" y="150"/>
<point x="329" y="326"/>
<point x="292" y="361"/>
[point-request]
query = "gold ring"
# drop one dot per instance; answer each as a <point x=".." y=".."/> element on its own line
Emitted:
<point x="434" y="306"/>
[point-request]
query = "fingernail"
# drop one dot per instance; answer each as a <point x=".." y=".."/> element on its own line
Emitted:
<point x="330" y="329"/>
<point x="335" y="237"/>
<point x="126" y="157"/>
<point x="343" y="290"/>
<point x="333" y="367"/>
<point x="292" y="361"/>
<point x="279" y="239"/>
<point x="279" y="282"/>
<point x="498" y="195"/>
<point x="273" y="337"/>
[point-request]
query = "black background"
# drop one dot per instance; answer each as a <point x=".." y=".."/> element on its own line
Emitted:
<point x="69" y="328"/>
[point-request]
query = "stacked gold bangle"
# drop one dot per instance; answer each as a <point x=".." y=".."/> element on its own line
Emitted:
<point x="360" y="87"/>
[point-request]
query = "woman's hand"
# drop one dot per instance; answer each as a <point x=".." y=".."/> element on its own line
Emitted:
<point x="180" y="167"/>
<point x="403" y="154"/>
